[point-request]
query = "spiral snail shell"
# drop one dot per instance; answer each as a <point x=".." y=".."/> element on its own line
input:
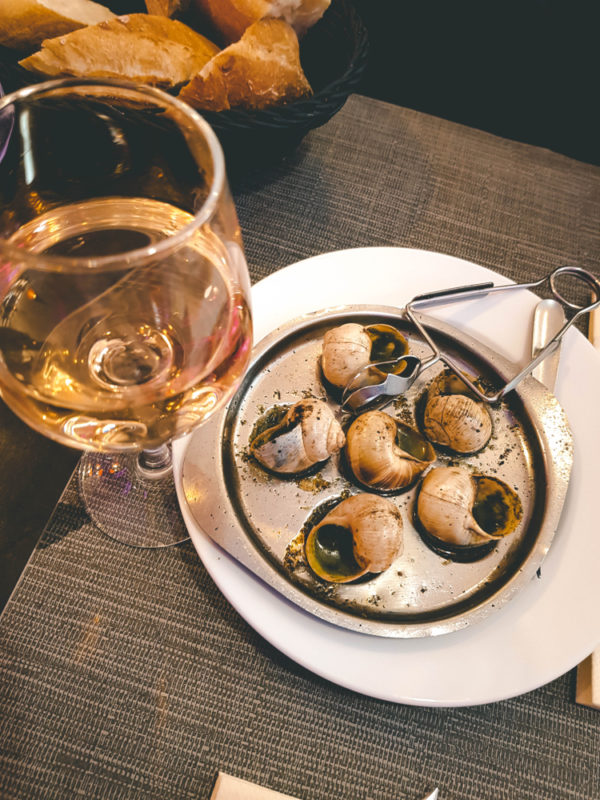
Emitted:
<point x="454" y="419"/>
<point x="308" y="434"/>
<point x="386" y="454"/>
<point x="463" y="508"/>
<point x="362" y="534"/>
<point x="350" y="347"/>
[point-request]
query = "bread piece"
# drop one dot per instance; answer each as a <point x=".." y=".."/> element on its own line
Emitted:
<point x="262" y="69"/>
<point x="167" y="8"/>
<point x="24" y="24"/>
<point x="232" y="17"/>
<point x="137" y="47"/>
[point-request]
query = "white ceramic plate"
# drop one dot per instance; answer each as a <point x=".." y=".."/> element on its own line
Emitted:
<point x="554" y="622"/>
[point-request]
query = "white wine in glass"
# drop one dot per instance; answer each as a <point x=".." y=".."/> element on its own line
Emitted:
<point x="124" y="292"/>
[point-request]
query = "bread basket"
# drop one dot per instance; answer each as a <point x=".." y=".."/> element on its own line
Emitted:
<point x="333" y="54"/>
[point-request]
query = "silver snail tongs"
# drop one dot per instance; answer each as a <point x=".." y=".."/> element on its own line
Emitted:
<point x="378" y="383"/>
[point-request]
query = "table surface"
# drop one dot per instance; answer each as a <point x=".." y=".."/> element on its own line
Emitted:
<point x="125" y="674"/>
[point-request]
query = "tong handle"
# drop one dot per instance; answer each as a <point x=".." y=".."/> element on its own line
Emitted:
<point x="458" y="293"/>
<point x="580" y="275"/>
<point x="466" y="292"/>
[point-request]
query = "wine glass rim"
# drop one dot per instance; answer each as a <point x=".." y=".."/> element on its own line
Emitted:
<point x="138" y="255"/>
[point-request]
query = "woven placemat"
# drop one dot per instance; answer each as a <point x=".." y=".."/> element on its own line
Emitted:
<point x="125" y="673"/>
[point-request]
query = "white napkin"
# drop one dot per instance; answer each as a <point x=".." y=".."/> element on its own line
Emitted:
<point x="229" y="788"/>
<point x="587" y="692"/>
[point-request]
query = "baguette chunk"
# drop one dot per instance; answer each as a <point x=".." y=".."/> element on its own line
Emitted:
<point x="262" y="69"/>
<point x="232" y="17"/>
<point x="137" y="47"/>
<point x="24" y="24"/>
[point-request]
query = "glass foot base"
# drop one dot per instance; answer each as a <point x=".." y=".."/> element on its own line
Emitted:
<point x="129" y="506"/>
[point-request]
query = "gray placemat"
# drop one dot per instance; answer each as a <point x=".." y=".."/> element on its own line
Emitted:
<point x="125" y="674"/>
<point x="378" y="175"/>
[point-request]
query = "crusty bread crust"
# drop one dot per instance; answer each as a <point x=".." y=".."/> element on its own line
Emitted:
<point x="232" y="17"/>
<point x="260" y="70"/>
<point x="226" y="18"/>
<point x="167" y="8"/>
<point x="24" y="24"/>
<point x="138" y="47"/>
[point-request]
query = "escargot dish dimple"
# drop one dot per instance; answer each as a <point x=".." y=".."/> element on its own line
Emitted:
<point x="362" y="534"/>
<point x="454" y="419"/>
<point x="307" y="434"/>
<point x="463" y="508"/>
<point x="350" y="347"/>
<point x="386" y="454"/>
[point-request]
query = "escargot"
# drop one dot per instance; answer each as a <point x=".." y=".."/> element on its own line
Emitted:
<point x="350" y="347"/>
<point x="386" y="454"/>
<point x="465" y="509"/>
<point x="362" y="534"/>
<point x="308" y="434"/>
<point x="454" y="419"/>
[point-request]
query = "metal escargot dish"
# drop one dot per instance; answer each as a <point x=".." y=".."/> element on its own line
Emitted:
<point x="387" y="533"/>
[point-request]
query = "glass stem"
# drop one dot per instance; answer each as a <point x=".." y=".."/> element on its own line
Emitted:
<point x="155" y="462"/>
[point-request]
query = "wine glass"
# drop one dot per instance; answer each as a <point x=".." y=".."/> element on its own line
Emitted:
<point x="124" y="292"/>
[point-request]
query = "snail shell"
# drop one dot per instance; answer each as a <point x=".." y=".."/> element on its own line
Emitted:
<point x="350" y="347"/>
<point x="307" y="434"/>
<point x="453" y="419"/>
<point x="385" y="454"/>
<point x="361" y="534"/>
<point x="346" y="349"/>
<point x="462" y="508"/>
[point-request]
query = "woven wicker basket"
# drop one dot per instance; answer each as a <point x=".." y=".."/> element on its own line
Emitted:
<point x="333" y="54"/>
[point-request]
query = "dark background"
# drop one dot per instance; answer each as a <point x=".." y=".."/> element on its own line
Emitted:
<point x="522" y="69"/>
